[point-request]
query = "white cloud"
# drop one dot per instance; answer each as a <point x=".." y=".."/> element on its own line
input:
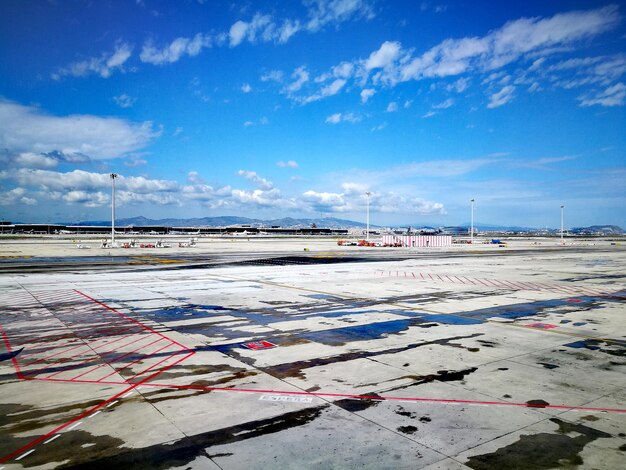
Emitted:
<point x="260" y="27"/>
<point x="366" y="94"/>
<point x="459" y="85"/>
<point x="392" y="107"/>
<point x="334" y="118"/>
<point x="79" y="180"/>
<point x="248" y="124"/>
<point x="256" y="179"/>
<point x="445" y="104"/>
<point x="287" y="164"/>
<point x="520" y="39"/>
<point x="35" y="160"/>
<point x="237" y="33"/>
<point x="502" y="97"/>
<point x="429" y="114"/>
<point x="300" y="76"/>
<point x="124" y="101"/>
<point x="135" y="161"/>
<point x="384" y="56"/>
<point x="194" y="178"/>
<point x="104" y="65"/>
<point x="272" y="76"/>
<point x="327" y="202"/>
<point x="29" y="129"/>
<point x="612" y="96"/>
<point x="246" y="88"/>
<point x="342" y="117"/>
<point x="16" y="196"/>
<point x="323" y="12"/>
<point x="175" y="50"/>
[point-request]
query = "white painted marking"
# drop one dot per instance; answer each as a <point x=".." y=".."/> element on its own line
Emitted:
<point x="74" y="425"/>
<point x="91" y="416"/>
<point x="127" y="394"/>
<point x="286" y="398"/>
<point x="112" y="403"/>
<point x="52" y="438"/>
<point x="25" y="454"/>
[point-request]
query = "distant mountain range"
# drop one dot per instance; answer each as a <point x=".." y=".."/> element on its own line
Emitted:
<point x="327" y="222"/>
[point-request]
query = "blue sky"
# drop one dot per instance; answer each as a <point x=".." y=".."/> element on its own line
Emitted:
<point x="297" y="108"/>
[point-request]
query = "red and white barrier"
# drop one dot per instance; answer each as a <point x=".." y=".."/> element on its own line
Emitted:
<point x="417" y="240"/>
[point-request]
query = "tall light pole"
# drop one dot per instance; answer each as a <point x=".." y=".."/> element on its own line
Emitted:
<point x="113" y="176"/>
<point x="472" y="221"/>
<point x="367" y="235"/>
<point x="562" y="206"/>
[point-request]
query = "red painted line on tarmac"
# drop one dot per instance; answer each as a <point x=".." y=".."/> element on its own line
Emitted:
<point x="8" y="346"/>
<point x="110" y="362"/>
<point x="99" y="355"/>
<point x="90" y="411"/>
<point x="55" y="354"/>
<point x="153" y="366"/>
<point x="469" y="280"/>
<point x="117" y="371"/>
<point x="382" y="397"/>
<point x="129" y="318"/>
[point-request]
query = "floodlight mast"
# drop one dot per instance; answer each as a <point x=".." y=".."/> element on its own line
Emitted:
<point x="472" y="221"/>
<point x="113" y="176"/>
<point x="367" y="234"/>
<point x="562" y="207"/>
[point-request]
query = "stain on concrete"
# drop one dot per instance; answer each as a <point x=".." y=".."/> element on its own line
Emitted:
<point x="541" y="451"/>
<point x="187" y="449"/>
<point x="407" y="429"/>
<point x="356" y="404"/>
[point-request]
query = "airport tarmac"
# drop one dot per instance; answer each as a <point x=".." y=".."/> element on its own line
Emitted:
<point x="265" y="355"/>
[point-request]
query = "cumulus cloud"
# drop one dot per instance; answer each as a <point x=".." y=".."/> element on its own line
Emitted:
<point x="384" y="56"/>
<point x="502" y="97"/>
<point x="366" y="94"/>
<point x="287" y="164"/>
<point x="392" y="107"/>
<point x="35" y="160"/>
<point x="246" y="88"/>
<point x="29" y="129"/>
<point x="16" y="196"/>
<point x="104" y="65"/>
<point x="256" y="179"/>
<point x="174" y="51"/>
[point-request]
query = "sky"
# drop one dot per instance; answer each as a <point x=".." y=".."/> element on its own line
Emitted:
<point x="268" y="109"/>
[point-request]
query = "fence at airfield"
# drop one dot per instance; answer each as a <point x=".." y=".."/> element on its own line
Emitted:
<point x="418" y="240"/>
